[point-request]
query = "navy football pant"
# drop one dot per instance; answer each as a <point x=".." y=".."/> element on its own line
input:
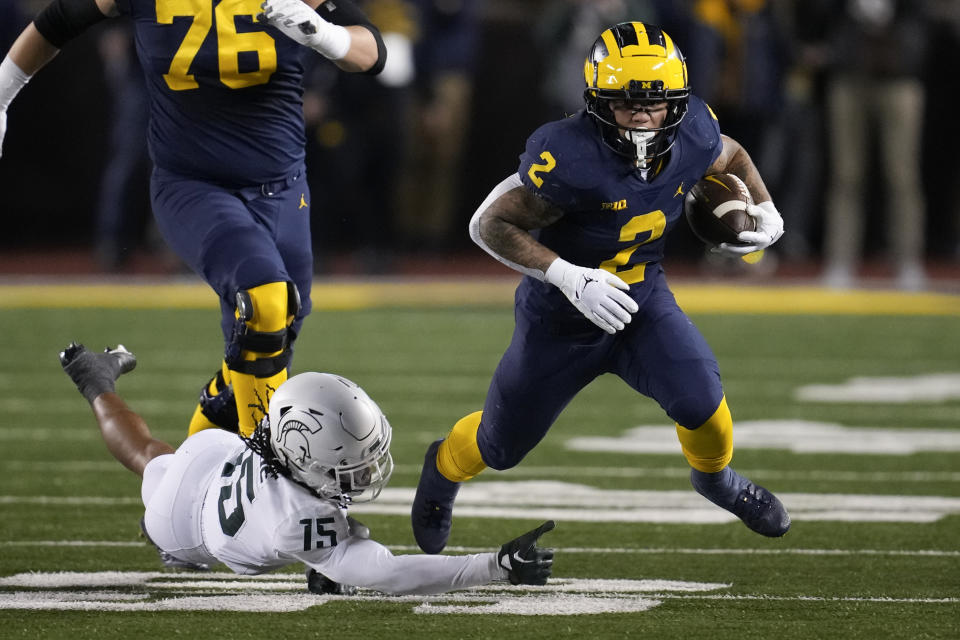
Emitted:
<point x="660" y="354"/>
<point x="238" y="238"/>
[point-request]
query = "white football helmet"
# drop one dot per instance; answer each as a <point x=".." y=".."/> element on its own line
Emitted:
<point x="331" y="436"/>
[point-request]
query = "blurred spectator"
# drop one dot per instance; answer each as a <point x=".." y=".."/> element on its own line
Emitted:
<point x="123" y="204"/>
<point x="445" y="55"/>
<point x="737" y="54"/>
<point x="875" y="92"/>
<point x="793" y="149"/>
<point x="358" y="128"/>
<point x="564" y="34"/>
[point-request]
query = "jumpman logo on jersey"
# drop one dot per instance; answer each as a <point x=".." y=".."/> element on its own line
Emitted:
<point x="679" y="191"/>
<point x="303" y="203"/>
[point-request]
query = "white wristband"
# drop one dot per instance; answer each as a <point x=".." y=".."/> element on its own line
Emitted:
<point x="332" y="41"/>
<point x="556" y="271"/>
<point x="12" y="79"/>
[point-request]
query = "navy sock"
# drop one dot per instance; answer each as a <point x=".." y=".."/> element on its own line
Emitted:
<point x="721" y="487"/>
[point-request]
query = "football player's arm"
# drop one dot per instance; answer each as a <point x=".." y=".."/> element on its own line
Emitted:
<point x="368" y="564"/>
<point x="58" y="23"/>
<point x="734" y="159"/>
<point x="501" y="227"/>
<point x="337" y="30"/>
<point x="362" y="562"/>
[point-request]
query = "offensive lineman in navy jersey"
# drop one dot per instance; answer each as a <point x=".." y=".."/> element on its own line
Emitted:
<point x="226" y="137"/>
<point x="584" y="219"/>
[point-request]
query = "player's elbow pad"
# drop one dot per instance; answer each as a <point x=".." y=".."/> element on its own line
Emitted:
<point x="63" y="20"/>
<point x="346" y="14"/>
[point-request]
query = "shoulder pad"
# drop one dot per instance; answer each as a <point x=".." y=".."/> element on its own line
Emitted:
<point x="561" y="161"/>
<point x="701" y="127"/>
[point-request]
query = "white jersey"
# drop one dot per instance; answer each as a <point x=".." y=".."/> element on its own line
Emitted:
<point x="209" y="502"/>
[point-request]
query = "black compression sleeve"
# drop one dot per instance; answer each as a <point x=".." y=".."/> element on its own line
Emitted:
<point x="63" y="20"/>
<point x="345" y="14"/>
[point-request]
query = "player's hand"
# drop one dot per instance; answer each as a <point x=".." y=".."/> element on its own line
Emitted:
<point x="524" y="561"/>
<point x="769" y="230"/>
<point x="96" y="373"/>
<point x="598" y="294"/>
<point x="299" y="22"/>
<point x="357" y="528"/>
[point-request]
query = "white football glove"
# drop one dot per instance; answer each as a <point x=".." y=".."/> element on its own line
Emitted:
<point x="769" y="230"/>
<point x="595" y="292"/>
<point x="299" y="22"/>
<point x="12" y="79"/>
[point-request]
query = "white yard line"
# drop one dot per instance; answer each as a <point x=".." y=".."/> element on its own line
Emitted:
<point x="932" y="553"/>
<point x="157" y="591"/>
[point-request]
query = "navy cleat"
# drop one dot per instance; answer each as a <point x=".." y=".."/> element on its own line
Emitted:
<point x="758" y="508"/>
<point x="432" y="511"/>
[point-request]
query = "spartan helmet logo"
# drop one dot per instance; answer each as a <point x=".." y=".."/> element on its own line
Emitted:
<point x="294" y="437"/>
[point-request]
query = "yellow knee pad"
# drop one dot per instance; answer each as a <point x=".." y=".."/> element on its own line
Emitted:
<point x="259" y="352"/>
<point x="709" y="447"/>
<point x="458" y="458"/>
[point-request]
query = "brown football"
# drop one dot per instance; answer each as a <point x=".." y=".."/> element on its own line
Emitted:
<point x="716" y="209"/>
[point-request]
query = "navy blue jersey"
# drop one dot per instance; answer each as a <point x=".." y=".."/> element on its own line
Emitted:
<point x="225" y="90"/>
<point x="613" y="218"/>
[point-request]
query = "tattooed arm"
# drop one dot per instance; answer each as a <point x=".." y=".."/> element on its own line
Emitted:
<point x="501" y="226"/>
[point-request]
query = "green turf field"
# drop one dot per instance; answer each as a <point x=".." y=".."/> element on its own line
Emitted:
<point x="851" y="416"/>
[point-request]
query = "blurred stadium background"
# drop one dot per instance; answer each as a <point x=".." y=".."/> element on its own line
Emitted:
<point x="484" y="74"/>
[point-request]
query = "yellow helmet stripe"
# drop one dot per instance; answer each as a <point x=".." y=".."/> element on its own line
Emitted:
<point x="610" y="41"/>
<point x="635" y="39"/>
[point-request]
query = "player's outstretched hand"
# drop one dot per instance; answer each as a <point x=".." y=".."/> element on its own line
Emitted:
<point x="525" y="562"/>
<point x="96" y="373"/>
<point x="598" y="294"/>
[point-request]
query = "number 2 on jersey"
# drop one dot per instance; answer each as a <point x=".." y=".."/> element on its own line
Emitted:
<point x="548" y="165"/>
<point x="653" y="223"/>
<point x="230" y="42"/>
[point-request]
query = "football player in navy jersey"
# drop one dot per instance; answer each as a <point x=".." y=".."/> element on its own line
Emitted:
<point x="585" y="219"/>
<point x="226" y="137"/>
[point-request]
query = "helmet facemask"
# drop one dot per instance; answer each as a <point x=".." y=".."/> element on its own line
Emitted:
<point x="636" y="62"/>
<point x="354" y="482"/>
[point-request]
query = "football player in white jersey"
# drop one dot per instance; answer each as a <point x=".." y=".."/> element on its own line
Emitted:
<point x="281" y="496"/>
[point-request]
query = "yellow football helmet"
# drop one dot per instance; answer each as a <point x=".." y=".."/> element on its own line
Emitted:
<point x="636" y="61"/>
